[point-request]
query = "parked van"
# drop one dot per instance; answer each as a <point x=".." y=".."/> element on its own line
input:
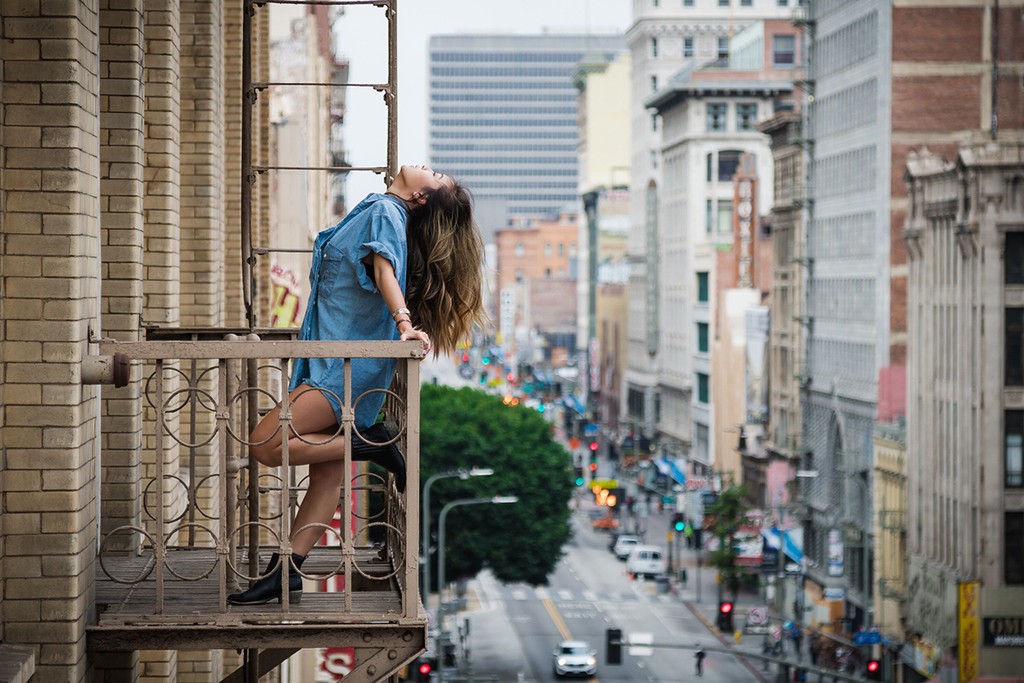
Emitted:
<point x="647" y="561"/>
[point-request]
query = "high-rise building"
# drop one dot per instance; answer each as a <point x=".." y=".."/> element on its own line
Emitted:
<point x="665" y="38"/>
<point x="503" y="119"/>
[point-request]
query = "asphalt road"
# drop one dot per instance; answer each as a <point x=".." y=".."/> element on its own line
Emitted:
<point x="514" y="628"/>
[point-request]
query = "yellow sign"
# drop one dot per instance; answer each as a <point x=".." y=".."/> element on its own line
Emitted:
<point x="605" y="483"/>
<point x="969" y="630"/>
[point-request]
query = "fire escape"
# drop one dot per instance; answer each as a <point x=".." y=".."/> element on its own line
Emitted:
<point x="210" y="517"/>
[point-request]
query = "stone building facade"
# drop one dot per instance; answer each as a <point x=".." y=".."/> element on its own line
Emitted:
<point x="119" y="185"/>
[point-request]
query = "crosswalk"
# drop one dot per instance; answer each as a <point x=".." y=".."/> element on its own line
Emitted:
<point x="540" y="593"/>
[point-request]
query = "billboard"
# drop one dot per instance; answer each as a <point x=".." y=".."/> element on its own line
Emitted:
<point x="756" y="373"/>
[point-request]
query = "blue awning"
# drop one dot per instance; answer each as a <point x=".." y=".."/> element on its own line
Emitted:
<point x="670" y="468"/>
<point x="791" y="541"/>
<point x="574" y="403"/>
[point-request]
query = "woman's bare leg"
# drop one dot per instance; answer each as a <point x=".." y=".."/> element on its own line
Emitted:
<point x="318" y="505"/>
<point x="313" y="417"/>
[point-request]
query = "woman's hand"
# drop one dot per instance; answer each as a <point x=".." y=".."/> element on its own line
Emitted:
<point x="410" y="333"/>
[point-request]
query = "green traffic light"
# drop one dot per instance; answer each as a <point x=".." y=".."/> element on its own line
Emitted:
<point x="579" y="481"/>
<point x="680" y="526"/>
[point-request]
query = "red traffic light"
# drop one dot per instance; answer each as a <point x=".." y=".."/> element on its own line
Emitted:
<point x="873" y="666"/>
<point x="725" y="607"/>
<point x="593" y="467"/>
<point x="465" y="358"/>
<point x="593" y="446"/>
<point x="425" y="668"/>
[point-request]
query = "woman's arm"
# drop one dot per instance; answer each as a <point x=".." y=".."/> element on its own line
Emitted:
<point x="387" y="283"/>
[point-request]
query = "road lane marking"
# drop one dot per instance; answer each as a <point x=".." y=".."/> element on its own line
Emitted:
<point x="563" y="630"/>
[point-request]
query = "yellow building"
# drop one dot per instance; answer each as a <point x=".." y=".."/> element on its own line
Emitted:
<point x="890" y="515"/>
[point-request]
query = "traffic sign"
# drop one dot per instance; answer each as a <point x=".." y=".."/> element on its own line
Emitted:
<point x="757" y="615"/>
<point x="872" y="637"/>
<point x="639" y="644"/>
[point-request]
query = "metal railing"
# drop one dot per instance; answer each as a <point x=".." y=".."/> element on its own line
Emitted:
<point x="213" y="508"/>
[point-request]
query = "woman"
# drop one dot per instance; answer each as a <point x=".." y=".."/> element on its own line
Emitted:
<point x="406" y="264"/>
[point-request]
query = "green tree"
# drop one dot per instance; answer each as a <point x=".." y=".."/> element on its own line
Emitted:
<point x="468" y="428"/>
<point x="729" y="513"/>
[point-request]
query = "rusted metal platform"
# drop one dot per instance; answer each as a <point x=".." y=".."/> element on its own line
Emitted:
<point x="193" y="617"/>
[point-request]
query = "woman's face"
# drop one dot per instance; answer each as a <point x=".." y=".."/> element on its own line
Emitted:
<point x="423" y="179"/>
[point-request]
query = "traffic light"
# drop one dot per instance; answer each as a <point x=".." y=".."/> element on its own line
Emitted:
<point x="593" y="446"/>
<point x="579" y="475"/>
<point x="873" y="670"/>
<point x="593" y="467"/>
<point x="612" y="646"/>
<point x="678" y="522"/>
<point x="423" y="669"/>
<point x="725" y="616"/>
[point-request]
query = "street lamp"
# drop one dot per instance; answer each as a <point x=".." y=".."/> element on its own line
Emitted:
<point x="461" y="473"/>
<point x="496" y="500"/>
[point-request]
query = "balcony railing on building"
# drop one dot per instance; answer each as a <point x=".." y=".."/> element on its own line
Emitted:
<point x="208" y="517"/>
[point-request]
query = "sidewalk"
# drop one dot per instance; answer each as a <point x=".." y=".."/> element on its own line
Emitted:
<point x="492" y="645"/>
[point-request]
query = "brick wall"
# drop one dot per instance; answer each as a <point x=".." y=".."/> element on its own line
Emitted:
<point x="49" y="283"/>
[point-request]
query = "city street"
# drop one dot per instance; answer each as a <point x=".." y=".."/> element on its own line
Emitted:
<point x="514" y="629"/>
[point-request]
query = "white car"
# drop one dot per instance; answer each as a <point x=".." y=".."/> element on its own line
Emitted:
<point x="624" y="546"/>
<point x="575" y="658"/>
<point x="646" y="561"/>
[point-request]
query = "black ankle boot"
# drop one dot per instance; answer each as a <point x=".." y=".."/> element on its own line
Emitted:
<point x="268" y="588"/>
<point x="389" y="457"/>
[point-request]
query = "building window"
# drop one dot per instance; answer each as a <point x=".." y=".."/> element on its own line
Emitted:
<point x="728" y="164"/>
<point x="783" y="3"/>
<point x="1013" y="547"/>
<point x="783" y="50"/>
<point x="547" y="250"/>
<point x="547" y="273"/>
<point x="709" y="216"/>
<point x="1014" y="258"/>
<point x="723" y="47"/>
<point x="724" y="216"/>
<point x="716" y="116"/>
<point x="520" y="276"/>
<point x="561" y="249"/>
<point x="654" y="48"/>
<point x="746" y="3"/>
<point x="703" y="388"/>
<point x="654" y="83"/>
<point x="723" y="3"/>
<point x="1014" y="448"/>
<point x="520" y="250"/>
<point x="746" y="115"/>
<point x="654" y="123"/>
<point x="702" y="287"/>
<point x="702" y="337"/>
<point x="1014" y="347"/>
<point x="688" y="46"/>
<point x="687" y="3"/>
<point x="710" y="163"/>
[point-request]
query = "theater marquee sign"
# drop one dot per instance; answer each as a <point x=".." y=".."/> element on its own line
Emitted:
<point x="1003" y="631"/>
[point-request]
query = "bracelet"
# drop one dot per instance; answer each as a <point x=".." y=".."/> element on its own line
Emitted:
<point x="398" y="323"/>
<point x="398" y="311"/>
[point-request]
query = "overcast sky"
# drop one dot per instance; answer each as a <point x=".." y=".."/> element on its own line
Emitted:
<point x="362" y="39"/>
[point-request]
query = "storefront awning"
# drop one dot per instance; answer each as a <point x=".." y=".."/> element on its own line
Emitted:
<point x="790" y="541"/>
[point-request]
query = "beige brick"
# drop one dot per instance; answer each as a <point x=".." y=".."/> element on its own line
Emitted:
<point x="22" y="49"/>
<point x="30" y="567"/>
<point x="23" y="610"/>
<point x="47" y="501"/>
<point x="27" y="330"/>
<point x="23" y="352"/>
<point x="23" y="180"/>
<point x="64" y="480"/>
<point x="22" y="136"/>
<point x="76" y="522"/>
<point x="33" y="459"/>
<point x="22" y="223"/>
<point x="18" y="437"/>
<point x="22" y="480"/>
<point x="65" y="439"/>
<point x="22" y="288"/>
<point x="24" y="394"/>
<point x="16" y="524"/>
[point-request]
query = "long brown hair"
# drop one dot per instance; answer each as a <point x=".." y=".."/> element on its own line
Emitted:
<point x="445" y="274"/>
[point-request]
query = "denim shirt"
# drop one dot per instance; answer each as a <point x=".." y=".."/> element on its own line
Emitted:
<point x="345" y="304"/>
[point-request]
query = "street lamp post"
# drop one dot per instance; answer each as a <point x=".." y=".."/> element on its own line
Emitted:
<point x="461" y="473"/>
<point x="496" y="500"/>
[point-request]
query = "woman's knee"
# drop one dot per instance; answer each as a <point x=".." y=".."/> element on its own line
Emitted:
<point x="329" y="473"/>
<point x="266" y="452"/>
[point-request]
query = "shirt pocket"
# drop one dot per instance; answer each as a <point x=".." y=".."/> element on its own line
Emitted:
<point x="335" y="275"/>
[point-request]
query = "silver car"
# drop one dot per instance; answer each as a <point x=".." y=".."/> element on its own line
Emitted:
<point x="575" y="658"/>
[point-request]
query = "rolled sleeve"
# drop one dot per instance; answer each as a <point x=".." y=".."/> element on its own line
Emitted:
<point x="386" y="237"/>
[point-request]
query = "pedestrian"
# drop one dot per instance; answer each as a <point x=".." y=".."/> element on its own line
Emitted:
<point x="403" y="265"/>
<point x="798" y="640"/>
<point x="698" y="657"/>
<point x="814" y="646"/>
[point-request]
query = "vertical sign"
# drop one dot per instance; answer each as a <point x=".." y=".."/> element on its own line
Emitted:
<point x="835" y="552"/>
<point x="756" y="375"/>
<point x="968" y="630"/>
